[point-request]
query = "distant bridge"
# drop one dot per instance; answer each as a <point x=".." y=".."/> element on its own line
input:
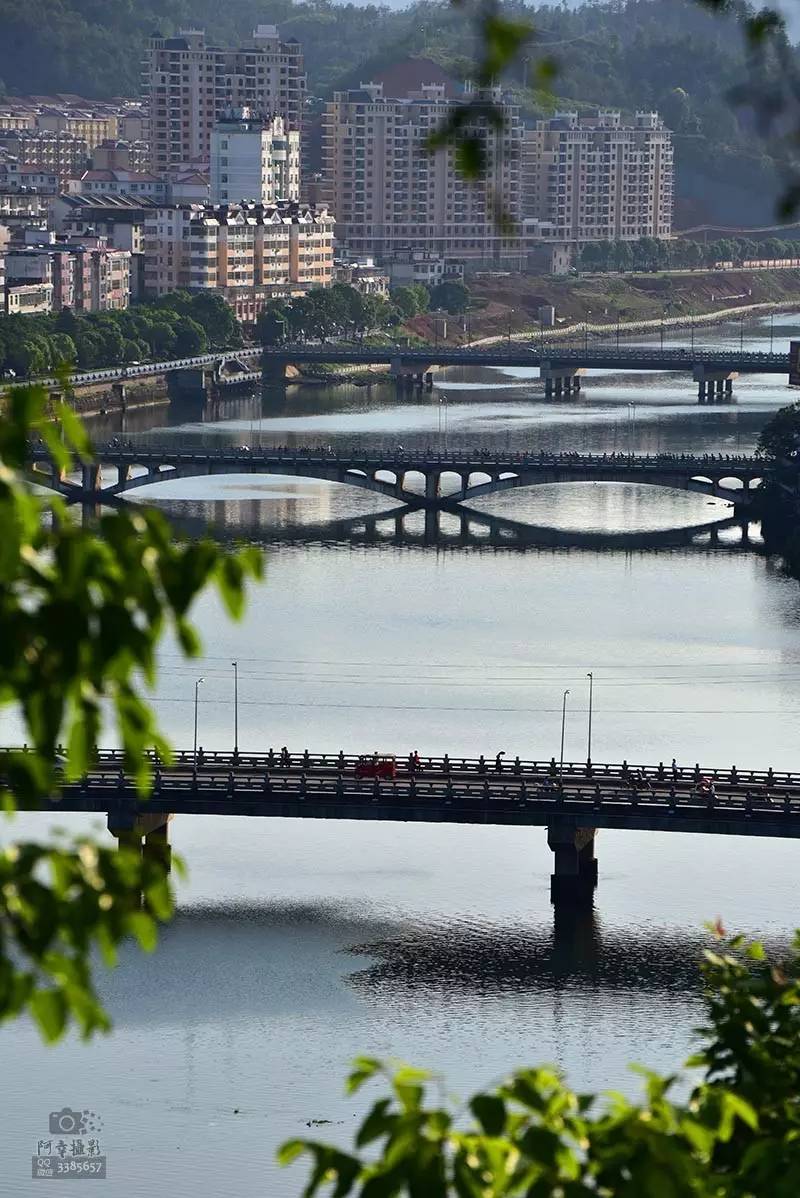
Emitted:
<point x="560" y="366"/>
<point x="571" y="801"/>
<point x="442" y="477"/>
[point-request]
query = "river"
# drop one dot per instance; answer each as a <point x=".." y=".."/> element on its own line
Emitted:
<point x="298" y="944"/>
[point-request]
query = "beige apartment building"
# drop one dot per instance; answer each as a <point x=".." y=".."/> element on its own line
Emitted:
<point x="595" y="178"/>
<point x="251" y="253"/>
<point x="87" y="126"/>
<point x="191" y="85"/>
<point x="388" y="192"/>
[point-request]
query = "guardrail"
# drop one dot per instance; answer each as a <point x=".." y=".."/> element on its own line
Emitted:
<point x="488" y="765"/>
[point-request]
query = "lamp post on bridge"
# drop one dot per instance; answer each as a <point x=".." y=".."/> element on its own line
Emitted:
<point x="590" y="676"/>
<point x="197" y="686"/>
<point x="771" y="330"/>
<point x="235" y="665"/>
<point x="563" y="726"/>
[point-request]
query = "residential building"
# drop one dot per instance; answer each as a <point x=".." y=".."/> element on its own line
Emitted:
<point x="59" y="153"/>
<point x="596" y="178"/>
<point x="419" y="266"/>
<point x="83" y="124"/>
<point x="253" y="158"/>
<point x="189" y="188"/>
<point x="191" y="84"/>
<point x="389" y="192"/>
<point x="120" y="154"/>
<point x="119" y="219"/>
<point x="362" y="274"/>
<point x="28" y="178"/>
<point x="87" y="276"/>
<point x="28" y="299"/>
<point x="17" y="120"/>
<point x="249" y="252"/>
<point x="19" y="209"/>
<point x="121" y="182"/>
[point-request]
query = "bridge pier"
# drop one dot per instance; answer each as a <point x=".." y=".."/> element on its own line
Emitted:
<point x="563" y="380"/>
<point x="714" y="384"/>
<point x="433" y="486"/>
<point x="574" y="876"/>
<point x="146" y="834"/>
<point x="120" y="396"/>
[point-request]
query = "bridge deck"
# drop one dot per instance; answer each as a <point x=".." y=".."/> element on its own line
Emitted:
<point x="441" y="790"/>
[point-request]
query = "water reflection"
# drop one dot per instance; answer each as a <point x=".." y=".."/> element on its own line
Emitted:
<point x="457" y="528"/>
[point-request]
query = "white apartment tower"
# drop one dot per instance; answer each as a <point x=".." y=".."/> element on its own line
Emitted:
<point x="253" y="159"/>
<point x="191" y="85"/>
<point x="388" y="192"/>
<point x="595" y="178"/>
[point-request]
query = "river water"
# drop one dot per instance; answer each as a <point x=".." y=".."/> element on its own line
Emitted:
<point x="300" y="944"/>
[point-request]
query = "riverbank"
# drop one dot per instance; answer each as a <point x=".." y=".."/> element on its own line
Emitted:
<point x="503" y="302"/>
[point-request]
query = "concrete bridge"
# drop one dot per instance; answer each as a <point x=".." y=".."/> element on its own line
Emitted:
<point x="560" y="366"/>
<point x="571" y="800"/>
<point x="426" y="478"/>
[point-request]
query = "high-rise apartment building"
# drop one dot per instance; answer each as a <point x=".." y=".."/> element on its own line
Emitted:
<point x="253" y="158"/>
<point x="388" y="192"/>
<point x="191" y="85"/>
<point x="595" y="178"/>
<point x="251" y="253"/>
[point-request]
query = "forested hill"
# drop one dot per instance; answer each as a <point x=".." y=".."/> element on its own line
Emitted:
<point x="665" y="54"/>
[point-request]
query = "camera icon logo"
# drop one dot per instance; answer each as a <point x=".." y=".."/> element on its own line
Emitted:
<point x="67" y="1122"/>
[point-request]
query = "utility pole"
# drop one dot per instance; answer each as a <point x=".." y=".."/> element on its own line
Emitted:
<point x="563" y="725"/>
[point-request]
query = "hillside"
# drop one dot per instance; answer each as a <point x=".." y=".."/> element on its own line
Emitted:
<point x="666" y="54"/>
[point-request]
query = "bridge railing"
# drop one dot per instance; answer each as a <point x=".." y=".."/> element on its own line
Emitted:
<point x="427" y="458"/>
<point x="208" y="761"/>
<point x="487" y="794"/>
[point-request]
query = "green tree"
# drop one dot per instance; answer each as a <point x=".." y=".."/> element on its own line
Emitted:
<point x="780" y="436"/>
<point x="405" y="300"/>
<point x="190" y="338"/>
<point x="450" y="297"/>
<point x="81" y="616"/>
<point x="216" y="316"/>
<point x="63" y="350"/>
<point x="736" y="1136"/>
<point x="272" y="324"/>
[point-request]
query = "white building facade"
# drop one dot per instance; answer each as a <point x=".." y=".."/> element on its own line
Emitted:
<point x="253" y="158"/>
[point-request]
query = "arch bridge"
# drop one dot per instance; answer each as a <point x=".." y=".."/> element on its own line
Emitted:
<point x="425" y="477"/>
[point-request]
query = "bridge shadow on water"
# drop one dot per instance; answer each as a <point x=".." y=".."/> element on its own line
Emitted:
<point x="222" y="961"/>
<point x="458" y="527"/>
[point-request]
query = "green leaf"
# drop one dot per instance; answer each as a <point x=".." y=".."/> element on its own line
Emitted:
<point x="49" y="1009"/>
<point x="490" y="1111"/>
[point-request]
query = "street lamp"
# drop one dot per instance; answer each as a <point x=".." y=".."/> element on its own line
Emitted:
<point x="590" y="676"/>
<point x="197" y="686"/>
<point x="563" y="724"/>
<point x="631" y="427"/>
<point x="235" y="665"/>
<point x="741" y="333"/>
<point x="771" y="329"/>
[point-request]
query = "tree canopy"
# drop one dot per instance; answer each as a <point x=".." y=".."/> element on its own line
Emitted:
<point x="736" y="1135"/>
<point x="82" y="612"/>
